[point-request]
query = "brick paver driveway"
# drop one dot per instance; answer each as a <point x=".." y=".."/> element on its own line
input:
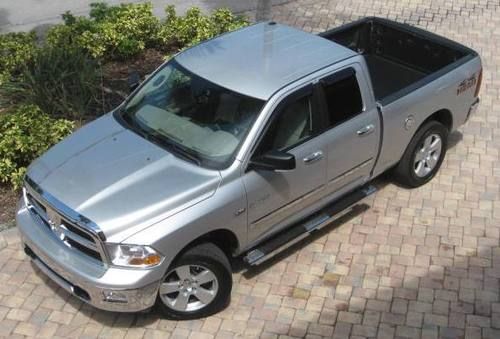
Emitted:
<point x="423" y="262"/>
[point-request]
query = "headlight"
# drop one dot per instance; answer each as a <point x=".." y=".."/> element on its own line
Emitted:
<point x="133" y="255"/>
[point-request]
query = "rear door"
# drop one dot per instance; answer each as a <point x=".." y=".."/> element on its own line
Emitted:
<point x="274" y="197"/>
<point x="352" y="128"/>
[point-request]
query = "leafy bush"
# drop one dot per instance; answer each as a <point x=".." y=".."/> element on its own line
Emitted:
<point x="194" y="27"/>
<point x="62" y="82"/>
<point x="26" y="132"/>
<point x="110" y="32"/>
<point x="121" y="32"/>
<point x="16" y="49"/>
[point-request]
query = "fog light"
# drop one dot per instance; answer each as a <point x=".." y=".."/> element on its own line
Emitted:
<point x="114" y="297"/>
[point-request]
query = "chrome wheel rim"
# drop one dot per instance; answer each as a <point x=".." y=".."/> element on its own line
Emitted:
<point x="189" y="288"/>
<point x="427" y="156"/>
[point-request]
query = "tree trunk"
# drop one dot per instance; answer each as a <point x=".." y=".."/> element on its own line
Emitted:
<point x="264" y="8"/>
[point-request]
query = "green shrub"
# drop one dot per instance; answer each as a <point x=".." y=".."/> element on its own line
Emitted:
<point x="67" y="35"/>
<point x="110" y="32"/>
<point x="194" y="27"/>
<point x="16" y="49"/>
<point x="121" y="32"/>
<point x="224" y="20"/>
<point x="26" y="132"/>
<point x="62" y="82"/>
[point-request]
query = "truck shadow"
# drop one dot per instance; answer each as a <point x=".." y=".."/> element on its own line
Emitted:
<point x="249" y="272"/>
<point x="454" y="139"/>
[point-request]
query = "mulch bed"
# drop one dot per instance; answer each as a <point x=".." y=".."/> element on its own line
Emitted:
<point x="8" y="202"/>
<point x="116" y="74"/>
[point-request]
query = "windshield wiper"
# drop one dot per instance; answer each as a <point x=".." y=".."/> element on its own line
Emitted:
<point x="176" y="147"/>
<point x="135" y="125"/>
<point x="161" y="139"/>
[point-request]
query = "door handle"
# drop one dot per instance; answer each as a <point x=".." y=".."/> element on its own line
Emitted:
<point x="366" y="130"/>
<point x="318" y="155"/>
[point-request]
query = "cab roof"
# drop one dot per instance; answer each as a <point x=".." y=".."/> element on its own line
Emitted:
<point x="260" y="59"/>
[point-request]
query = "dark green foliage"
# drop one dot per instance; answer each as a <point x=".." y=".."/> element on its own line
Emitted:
<point x="62" y="82"/>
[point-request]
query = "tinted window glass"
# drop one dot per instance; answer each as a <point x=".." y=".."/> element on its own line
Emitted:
<point x="293" y="124"/>
<point x="343" y="99"/>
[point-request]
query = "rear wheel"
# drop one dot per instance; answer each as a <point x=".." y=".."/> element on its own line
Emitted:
<point x="423" y="156"/>
<point x="197" y="285"/>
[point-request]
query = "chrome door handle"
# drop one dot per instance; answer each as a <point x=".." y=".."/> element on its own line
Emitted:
<point x="365" y="130"/>
<point x="318" y="155"/>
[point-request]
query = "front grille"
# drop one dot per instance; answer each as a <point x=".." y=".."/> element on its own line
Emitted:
<point x="71" y="234"/>
<point x="76" y="230"/>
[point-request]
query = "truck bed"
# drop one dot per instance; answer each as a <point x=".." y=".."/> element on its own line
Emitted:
<point x="397" y="55"/>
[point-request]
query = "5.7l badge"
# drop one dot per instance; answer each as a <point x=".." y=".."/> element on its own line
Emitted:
<point x="466" y="84"/>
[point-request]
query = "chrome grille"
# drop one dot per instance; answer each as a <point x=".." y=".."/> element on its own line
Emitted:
<point x="68" y="231"/>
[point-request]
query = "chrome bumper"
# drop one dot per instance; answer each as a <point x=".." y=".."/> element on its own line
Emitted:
<point x="106" y="288"/>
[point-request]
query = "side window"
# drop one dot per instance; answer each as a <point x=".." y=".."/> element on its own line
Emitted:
<point x="293" y="124"/>
<point x="343" y="99"/>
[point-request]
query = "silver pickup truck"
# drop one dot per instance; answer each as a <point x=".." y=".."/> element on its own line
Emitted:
<point x="235" y="149"/>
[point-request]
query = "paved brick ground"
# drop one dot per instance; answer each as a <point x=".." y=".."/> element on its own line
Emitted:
<point x="419" y="263"/>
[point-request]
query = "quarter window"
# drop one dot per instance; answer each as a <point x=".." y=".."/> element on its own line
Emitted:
<point x="343" y="100"/>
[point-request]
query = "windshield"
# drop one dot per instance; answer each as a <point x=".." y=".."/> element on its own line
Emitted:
<point x="191" y="116"/>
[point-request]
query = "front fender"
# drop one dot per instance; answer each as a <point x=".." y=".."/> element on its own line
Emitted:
<point x="221" y="211"/>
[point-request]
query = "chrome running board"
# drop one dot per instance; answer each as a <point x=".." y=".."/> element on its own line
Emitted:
<point x="292" y="235"/>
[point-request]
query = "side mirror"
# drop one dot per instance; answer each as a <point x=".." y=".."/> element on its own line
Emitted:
<point x="274" y="161"/>
<point x="134" y="80"/>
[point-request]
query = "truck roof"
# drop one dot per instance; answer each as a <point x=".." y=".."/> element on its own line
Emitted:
<point x="260" y="59"/>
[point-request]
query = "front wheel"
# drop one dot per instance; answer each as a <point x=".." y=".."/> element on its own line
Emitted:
<point x="197" y="285"/>
<point x="423" y="156"/>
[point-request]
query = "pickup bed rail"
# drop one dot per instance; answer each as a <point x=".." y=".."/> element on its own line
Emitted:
<point x="400" y="58"/>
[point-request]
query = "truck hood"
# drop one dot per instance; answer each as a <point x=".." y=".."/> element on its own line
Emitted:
<point x="119" y="180"/>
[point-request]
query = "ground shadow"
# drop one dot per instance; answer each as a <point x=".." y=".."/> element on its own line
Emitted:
<point x="250" y="272"/>
<point x="454" y="138"/>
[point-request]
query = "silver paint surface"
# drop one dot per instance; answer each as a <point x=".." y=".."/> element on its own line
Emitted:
<point x="261" y="59"/>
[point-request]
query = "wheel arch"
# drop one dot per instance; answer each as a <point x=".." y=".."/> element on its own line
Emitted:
<point x="442" y="116"/>
<point x="225" y="239"/>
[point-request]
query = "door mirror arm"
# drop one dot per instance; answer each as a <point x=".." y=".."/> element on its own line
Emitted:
<point x="134" y="80"/>
<point x="274" y="161"/>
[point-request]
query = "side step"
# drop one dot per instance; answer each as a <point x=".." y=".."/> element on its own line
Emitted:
<point x="304" y="228"/>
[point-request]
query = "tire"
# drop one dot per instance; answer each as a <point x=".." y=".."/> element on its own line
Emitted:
<point x="422" y="158"/>
<point x="180" y="297"/>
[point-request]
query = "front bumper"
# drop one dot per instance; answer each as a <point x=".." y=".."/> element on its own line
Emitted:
<point x="106" y="288"/>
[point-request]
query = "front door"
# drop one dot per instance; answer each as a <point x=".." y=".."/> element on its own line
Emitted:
<point x="275" y="197"/>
